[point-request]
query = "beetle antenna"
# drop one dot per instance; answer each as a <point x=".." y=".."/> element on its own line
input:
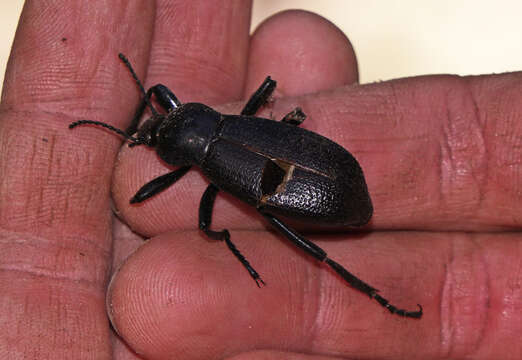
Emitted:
<point x="127" y="63"/>
<point x="135" y="141"/>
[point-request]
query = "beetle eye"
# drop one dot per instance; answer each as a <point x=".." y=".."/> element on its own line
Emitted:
<point x="147" y="132"/>
<point x="147" y="139"/>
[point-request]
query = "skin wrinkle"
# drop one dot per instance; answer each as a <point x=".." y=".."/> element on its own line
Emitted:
<point x="446" y="309"/>
<point x="483" y="270"/>
<point x="88" y="284"/>
<point x="460" y="335"/>
<point x="445" y="160"/>
<point x="459" y="150"/>
<point x="28" y="194"/>
<point x="481" y="127"/>
<point x="484" y="265"/>
<point x="42" y="157"/>
<point x="41" y="208"/>
<point x="321" y="322"/>
<point x="506" y="133"/>
<point x="315" y="285"/>
<point x="7" y="237"/>
<point x="72" y="243"/>
<point x="477" y="133"/>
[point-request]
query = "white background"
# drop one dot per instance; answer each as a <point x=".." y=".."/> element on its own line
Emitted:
<point x="394" y="38"/>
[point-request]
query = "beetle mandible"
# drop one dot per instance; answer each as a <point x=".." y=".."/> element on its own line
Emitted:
<point x="275" y="166"/>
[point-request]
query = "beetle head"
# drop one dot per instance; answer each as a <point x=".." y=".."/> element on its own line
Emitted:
<point x="146" y="134"/>
<point x="183" y="137"/>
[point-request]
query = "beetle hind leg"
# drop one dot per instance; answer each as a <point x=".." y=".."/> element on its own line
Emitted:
<point x="205" y="218"/>
<point x="318" y="253"/>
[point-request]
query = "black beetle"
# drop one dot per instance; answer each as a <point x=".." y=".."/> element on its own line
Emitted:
<point x="276" y="166"/>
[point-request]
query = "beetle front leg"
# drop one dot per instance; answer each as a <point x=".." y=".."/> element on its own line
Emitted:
<point x="166" y="99"/>
<point x="322" y="256"/>
<point x="159" y="184"/>
<point x="164" y="96"/>
<point x="205" y="218"/>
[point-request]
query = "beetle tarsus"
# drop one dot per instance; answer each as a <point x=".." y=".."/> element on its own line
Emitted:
<point x="394" y="310"/>
<point x="225" y="235"/>
<point x="258" y="281"/>
<point x="360" y="285"/>
<point x="205" y="219"/>
<point x="351" y="279"/>
<point x="295" y="117"/>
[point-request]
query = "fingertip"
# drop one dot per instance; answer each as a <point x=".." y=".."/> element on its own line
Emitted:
<point x="133" y="299"/>
<point x="168" y="298"/>
<point x="303" y="51"/>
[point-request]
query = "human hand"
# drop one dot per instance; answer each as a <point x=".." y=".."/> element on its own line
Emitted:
<point x="441" y="156"/>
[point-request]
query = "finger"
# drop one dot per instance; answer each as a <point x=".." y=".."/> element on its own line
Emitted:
<point x="55" y="211"/>
<point x="199" y="49"/>
<point x="177" y="206"/>
<point x="437" y="152"/>
<point x="179" y="294"/>
<point x="303" y="51"/>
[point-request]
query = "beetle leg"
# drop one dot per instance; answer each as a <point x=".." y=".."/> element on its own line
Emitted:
<point x="295" y="117"/>
<point x="166" y="99"/>
<point x="164" y="96"/>
<point x="260" y="97"/>
<point x="205" y="218"/>
<point x="159" y="184"/>
<point x="351" y="279"/>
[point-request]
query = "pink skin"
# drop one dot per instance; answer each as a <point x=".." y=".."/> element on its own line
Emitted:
<point x="441" y="155"/>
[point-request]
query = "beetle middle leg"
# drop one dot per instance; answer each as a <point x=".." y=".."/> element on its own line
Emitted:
<point x="205" y="218"/>
<point x="318" y="253"/>
<point x="259" y="97"/>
